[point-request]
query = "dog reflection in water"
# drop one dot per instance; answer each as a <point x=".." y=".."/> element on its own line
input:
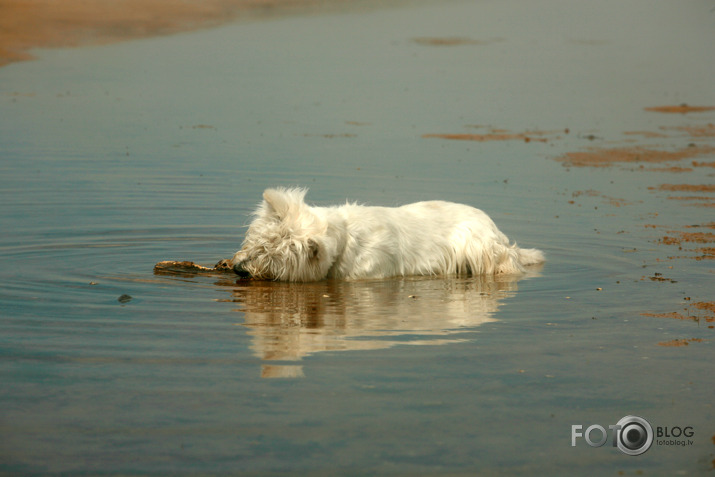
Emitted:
<point x="288" y="321"/>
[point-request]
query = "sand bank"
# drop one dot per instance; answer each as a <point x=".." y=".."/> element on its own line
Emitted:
<point x="680" y="109"/>
<point x="28" y="24"/>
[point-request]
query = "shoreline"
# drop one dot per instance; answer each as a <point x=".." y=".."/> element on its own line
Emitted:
<point x="30" y="24"/>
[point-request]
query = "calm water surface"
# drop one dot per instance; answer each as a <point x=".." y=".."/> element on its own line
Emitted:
<point x="114" y="158"/>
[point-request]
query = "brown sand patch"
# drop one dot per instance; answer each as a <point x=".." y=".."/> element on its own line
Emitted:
<point x="705" y="305"/>
<point x="485" y="137"/>
<point x="668" y="240"/>
<point x="683" y="342"/>
<point x="27" y="24"/>
<point x="453" y="41"/>
<point x="496" y="134"/>
<point x="695" y="131"/>
<point x="674" y="315"/>
<point x="703" y="164"/>
<point x="692" y="237"/>
<point x="681" y="109"/>
<point x="645" y="134"/>
<point x="697" y="311"/>
<point x="691" y="197"/>
<point x="709" y="225"/>
<point x="605" y="157"/>
<point x="686" y="187"/>
<point x="693" y="200"/>
<point x="614" y="201"/>
<point x="676" y="237"/>
<point x="537" y="132"/>
<point x="706" y="253"/>
<point x="674" y="169"/>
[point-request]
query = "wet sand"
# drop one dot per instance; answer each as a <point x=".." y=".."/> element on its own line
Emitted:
<point x="680" y="109"/>
<point x="28" y="24"/>
<point x="604" y="157"/>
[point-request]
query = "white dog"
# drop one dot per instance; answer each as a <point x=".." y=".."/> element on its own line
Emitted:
<point x="292" y="241"/>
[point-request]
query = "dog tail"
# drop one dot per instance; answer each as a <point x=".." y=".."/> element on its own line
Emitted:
<point x="530" y="256"/>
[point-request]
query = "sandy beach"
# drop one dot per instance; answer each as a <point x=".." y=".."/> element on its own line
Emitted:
<point x="28" y="24"/>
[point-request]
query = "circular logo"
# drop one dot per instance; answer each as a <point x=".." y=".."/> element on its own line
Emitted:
<point x="634" y="435"/>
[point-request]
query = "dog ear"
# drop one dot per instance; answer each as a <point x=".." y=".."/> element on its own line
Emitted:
<point x="280" y="201"/>
<point x="313" y="248"/>
<point x="276" y="202"/>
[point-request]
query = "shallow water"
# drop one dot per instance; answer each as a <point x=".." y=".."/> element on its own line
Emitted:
<point x="114" y="158"/>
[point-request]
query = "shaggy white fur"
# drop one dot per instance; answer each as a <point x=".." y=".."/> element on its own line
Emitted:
<point x="292" y="241"/>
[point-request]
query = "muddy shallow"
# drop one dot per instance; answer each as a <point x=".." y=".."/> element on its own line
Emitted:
<point x="117" y="157"/>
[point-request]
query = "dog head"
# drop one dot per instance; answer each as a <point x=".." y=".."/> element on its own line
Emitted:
<point x="286" y="241"/>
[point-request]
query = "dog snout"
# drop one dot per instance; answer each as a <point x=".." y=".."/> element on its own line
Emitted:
<point x="240" y="270"/>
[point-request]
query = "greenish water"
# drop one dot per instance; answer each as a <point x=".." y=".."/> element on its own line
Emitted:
<point x="116" y="157"/>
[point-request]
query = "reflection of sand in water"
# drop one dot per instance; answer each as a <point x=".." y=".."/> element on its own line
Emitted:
<point x="289" y="321"/>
